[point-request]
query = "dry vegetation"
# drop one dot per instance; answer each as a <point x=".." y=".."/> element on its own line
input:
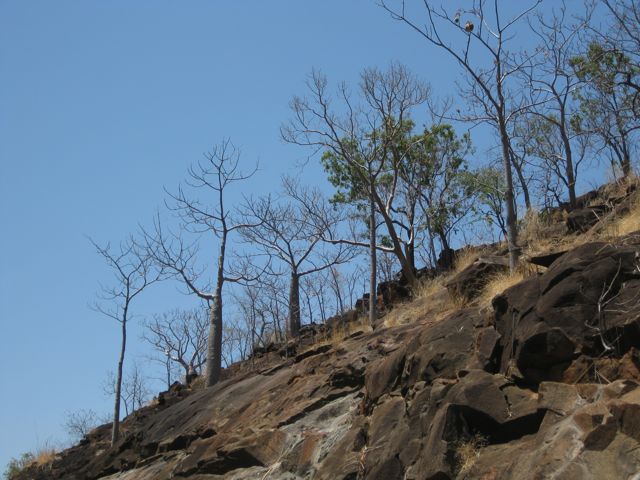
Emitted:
<point x="498" y="284"/>
<point x="626" y="223"/>
<point x="468" y="451"/>
<point x="44" y="456"/>
<point x="336" y="335"/>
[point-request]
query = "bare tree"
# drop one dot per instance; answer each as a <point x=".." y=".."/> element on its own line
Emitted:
<point x="281" y="230"/>
<point x="179" y="336"/>
<point x="360" y="142"/>
<point x="214" y="175"/>
<point x="133" y="272"/>
<point x="134" y="390"/>
<point x="79" y="423"/>
<point x="480" y="49"/>
<point x="553" y="85"/>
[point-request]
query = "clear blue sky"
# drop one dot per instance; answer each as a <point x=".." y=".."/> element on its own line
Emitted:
<point x="104" y="103"/>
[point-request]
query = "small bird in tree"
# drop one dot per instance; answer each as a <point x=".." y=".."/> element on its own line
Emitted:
<point x="456" y="18"/>
<point x="468" y="27"/>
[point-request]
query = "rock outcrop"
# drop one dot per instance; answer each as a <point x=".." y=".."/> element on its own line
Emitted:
<point x="544" y="386"/>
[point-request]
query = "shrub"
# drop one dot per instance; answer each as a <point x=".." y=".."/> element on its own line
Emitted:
<point x="16" y="465"/>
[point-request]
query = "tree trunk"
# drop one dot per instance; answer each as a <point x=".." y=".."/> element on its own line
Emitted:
<point x="373" y="262"/>
<point x="626" y="165"/>
<point x="214" y="348"/>
<point x="336" y="284"/>
<point x="523" y="184"/>
<point x="294" y="305"/>
<point x="115" y="430"/>
<point x="568" y="154"/>
<point x="512" y="219"/>
<point x="407" y="269"/>
<point x="432" y="246"/>
<point x="168" y="365"/>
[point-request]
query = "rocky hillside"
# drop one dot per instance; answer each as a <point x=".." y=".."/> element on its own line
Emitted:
<point x="541" y="381"/>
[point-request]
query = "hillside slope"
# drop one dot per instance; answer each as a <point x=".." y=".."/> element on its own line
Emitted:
<point x="545" y="383"/>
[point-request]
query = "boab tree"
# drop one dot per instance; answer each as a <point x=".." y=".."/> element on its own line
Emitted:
<point x="133" y="271"/>
<point x="214" y="175"/>
<point x="480" y="48"/>
<point x="283" y="231"/>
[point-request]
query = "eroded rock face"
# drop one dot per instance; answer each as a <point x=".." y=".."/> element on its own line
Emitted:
<point x="586" y="306"/>
<point x="470" y="281"/>
<point x="546" y="389"/>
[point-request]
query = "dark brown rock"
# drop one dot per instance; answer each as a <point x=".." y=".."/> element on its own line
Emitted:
<point x="469" y="282"/>
<point x="575" y="308"/>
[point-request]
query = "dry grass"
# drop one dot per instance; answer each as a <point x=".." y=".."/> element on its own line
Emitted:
<point x="627" y="223"/>
<point x="464" y="258"/>
<point x="199" y="383"/>
<point x="532" y="229"/>
<point x="336" y="336"/>
<point x="431" y="299"/>
<point x="498" y="284"/>
<point x="44" y="456"/>
<point x="467" y="452"/>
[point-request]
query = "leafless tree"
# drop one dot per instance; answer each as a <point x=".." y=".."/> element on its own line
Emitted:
<point x="480" y="48"/>
<point x="281" y="230"/>
<point x="552" y="85"/>
<point x="80" y="422"/>
<point x="133" y="271"/>
<point x="214" y="176"/>
<point x="360" y="139"/>
<point x="179" y="336"/>
<point x="134" y="389"/>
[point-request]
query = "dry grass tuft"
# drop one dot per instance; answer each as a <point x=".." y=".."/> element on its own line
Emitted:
<point x="464" y="258"/>
<point x="627" y="223"/>
<point x="44" y="456"/>
<point x="337" y="335"/>
<point x="498" y="284"/>
<point x="467" y="452"/>
<point x="431" y="300"/>
<point x="532" y="228"/>
<point x="199" y="382"/>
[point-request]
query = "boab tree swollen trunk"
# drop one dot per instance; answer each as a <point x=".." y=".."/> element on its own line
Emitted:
<point x="134" y="271"/>
<point x="216" y="173"/>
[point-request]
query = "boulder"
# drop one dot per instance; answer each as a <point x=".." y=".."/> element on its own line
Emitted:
<point x="469" y="282"/>
<point x="585" y="304"/>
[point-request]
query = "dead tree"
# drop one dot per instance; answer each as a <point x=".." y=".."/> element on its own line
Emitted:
<point x="214" y="175"/>
<point x="133" y="271"/>
<point x="480" y="49"/>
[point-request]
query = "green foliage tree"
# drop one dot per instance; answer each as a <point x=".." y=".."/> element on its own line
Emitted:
<point x="606" y="102"/>
<point x="361" y="134"/>
<point x="434" y="174"/>
<point x="16" y="465"/>
<point x="488" y="186"/>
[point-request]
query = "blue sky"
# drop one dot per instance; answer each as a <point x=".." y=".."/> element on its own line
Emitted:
<point x="104" y="103"/>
